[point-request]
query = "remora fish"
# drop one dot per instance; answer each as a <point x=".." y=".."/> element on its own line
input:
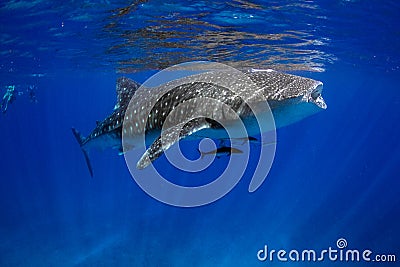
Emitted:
<point x="290" y="97"/>
<point x="224" y="150"/>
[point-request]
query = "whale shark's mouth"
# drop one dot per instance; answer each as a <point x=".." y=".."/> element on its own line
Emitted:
<point x="316" y="96"/>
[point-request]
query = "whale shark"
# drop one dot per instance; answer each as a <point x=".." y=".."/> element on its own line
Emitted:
<point x="291" y="98"/>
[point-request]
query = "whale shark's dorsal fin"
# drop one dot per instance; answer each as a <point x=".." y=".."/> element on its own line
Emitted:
<point x="169" y="138"/>
<point x="125" y="89"/>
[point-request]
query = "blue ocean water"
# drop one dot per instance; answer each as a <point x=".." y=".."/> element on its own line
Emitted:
<point x="335" y="174"/>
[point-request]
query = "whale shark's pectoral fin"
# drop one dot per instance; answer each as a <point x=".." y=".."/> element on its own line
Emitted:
<point x="169" y="137"/>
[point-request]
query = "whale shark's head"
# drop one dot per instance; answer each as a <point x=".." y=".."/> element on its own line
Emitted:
<point x="291" y="97"/>
<point x="291" y="110"/>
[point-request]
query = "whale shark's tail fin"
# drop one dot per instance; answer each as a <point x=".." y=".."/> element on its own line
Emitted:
<point x="80" y="139"/>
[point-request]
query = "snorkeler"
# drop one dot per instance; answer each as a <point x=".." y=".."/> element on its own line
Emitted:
<point x="11" y="94"/>
<point x="8" y="98"/>
<point x="31" y="94"/>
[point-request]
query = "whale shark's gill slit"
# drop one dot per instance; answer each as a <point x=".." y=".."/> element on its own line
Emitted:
<point x="80" y="140"/>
